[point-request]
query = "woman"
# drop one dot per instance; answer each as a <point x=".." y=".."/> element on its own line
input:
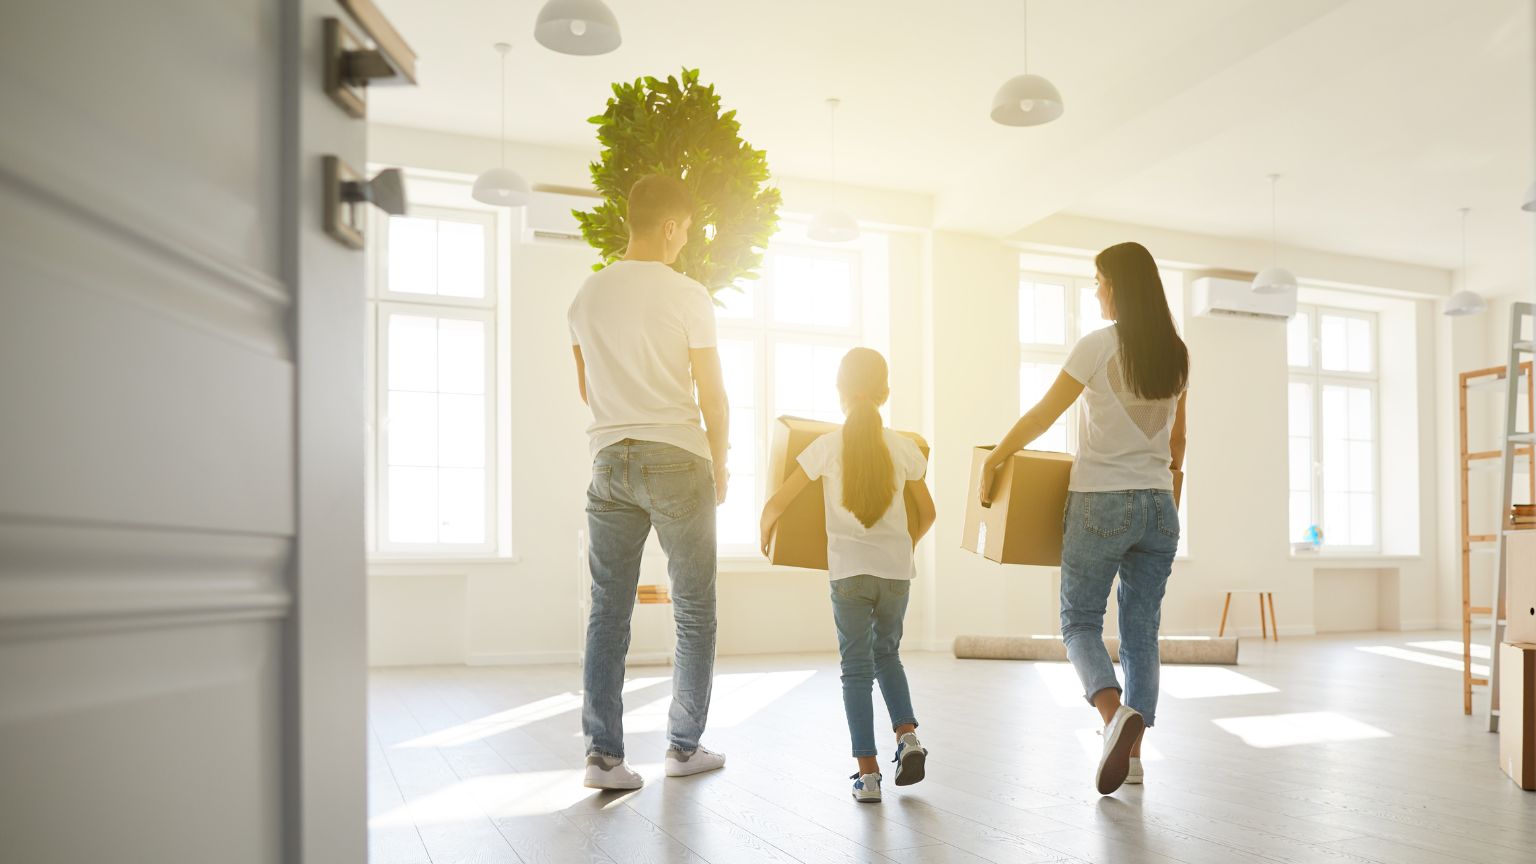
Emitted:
<point x="1121" y="516"/>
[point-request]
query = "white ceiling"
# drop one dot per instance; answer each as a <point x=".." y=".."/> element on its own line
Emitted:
<point x="1385" y="116"/>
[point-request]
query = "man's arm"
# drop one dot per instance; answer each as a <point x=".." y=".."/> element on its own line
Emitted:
<point x="710" y="382"/>
<point x="581" y="372"/>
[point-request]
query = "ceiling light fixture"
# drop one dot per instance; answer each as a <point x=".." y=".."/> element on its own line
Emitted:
<point x="833" y="225"/>
<point x="580" y="27"/>
<point x="1464" y="302"/>
<point x="1026" y="100"/>
<point x="1273" y="279"/>
<point x="502" y="186"/>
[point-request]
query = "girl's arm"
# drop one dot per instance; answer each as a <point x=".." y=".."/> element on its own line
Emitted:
<point x="1032" y="425"/>
<point x="926" y="514"/>
<point x="1176" y="440"/>
<point x="779" y="503"/>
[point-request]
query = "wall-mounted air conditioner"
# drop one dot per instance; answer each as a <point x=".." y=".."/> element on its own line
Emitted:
<point x="1233" y="298"/>
<point x="549" y="218"/>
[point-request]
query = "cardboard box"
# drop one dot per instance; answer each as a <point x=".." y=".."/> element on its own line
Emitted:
<point x="1023" y="523"/>
<point x="1517" y="713"/>
<point x="800" y="540"/>
<point x="1520" y="586"/>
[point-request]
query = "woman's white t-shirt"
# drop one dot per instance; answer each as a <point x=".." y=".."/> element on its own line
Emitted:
<point x="1122" y="438"/>
<point x="883" y="549"/>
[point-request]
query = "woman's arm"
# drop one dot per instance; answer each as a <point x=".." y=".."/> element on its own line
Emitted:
<point x="1176" y="440"/>
<point x="927" y="514"/>
<point x="779" y="503"/>
<point x="1032" y="425"/>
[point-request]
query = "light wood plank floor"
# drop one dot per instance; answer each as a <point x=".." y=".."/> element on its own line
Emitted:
<point x="1339" y="749"/>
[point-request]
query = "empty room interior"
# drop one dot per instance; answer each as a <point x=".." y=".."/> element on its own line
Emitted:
<point x="627" y="431"/>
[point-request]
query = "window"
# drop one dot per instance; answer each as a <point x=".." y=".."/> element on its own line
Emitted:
<point x="432" y="343"/>
<point x="781" y="339"/>
<point x="1333" y="452"/>
<point x="1054" y="312"/>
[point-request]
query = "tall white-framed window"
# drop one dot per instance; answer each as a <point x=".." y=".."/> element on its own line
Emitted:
<point x="781" y="339"/>
<point x="1334" y="441"/>
<point x="1054" y="312"/>
<point x="432" y="349"/>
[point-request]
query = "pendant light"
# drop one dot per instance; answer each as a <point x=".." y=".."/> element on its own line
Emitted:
<point x="501" y="186"/>
<point x="833" y="225"/>
<point x="1464" y="302"/>
<point x="1273" y="279"/>
<point x="1530" y="200"/>
<point x="1026" y="100"/>
<point x="580" y="27"/>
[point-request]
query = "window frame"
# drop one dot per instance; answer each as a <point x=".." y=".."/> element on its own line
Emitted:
<point x="1317" y="378"/>
<point x="381" y="303"/>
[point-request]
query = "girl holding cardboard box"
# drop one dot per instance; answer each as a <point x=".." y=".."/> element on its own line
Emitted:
<point x="865" y="469"/>
<point x="1121" y="515"/>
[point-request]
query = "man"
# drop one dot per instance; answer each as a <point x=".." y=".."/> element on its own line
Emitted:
<point x="644" y="339"/>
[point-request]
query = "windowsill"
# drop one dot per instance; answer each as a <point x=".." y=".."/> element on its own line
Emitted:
<point x="1352" y="556"/>
<point x="439" y="561"/>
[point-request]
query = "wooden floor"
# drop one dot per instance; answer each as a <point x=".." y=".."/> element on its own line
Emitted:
<point x="1321" y="749"/>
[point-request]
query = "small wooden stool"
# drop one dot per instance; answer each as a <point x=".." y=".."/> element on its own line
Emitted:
<point x="1267" y="625"/>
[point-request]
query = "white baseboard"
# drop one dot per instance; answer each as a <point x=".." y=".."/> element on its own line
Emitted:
<point x="1424" y="624"/>
<point x="523" y="658"/>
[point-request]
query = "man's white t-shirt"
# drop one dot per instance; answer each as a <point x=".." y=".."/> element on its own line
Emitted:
<point x="1122" y="438"/>
<point x="883" y="549"/>
<point x="635" y="322"/>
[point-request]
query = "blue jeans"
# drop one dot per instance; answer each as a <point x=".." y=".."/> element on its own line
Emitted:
<point x="868" y="612"/>
<point x="637" y="485"/>
<point x="1134" y="534"/>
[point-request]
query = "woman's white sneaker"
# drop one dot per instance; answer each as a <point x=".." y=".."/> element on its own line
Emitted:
<point x="1133" y="776"/>
<point x="866" y="788"/>
<point x="911" y="756"/>
<point x="608" y="772"/>
<point x="680" y="764"/>
<point x="1120" y="735"/>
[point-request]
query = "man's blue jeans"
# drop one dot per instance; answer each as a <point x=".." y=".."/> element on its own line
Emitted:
<point x="637" y="485"/>
<point x="1135" y="534"/>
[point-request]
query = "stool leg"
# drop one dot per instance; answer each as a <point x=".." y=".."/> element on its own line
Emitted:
<point x="1222" y="630"/>
<point x="1263" y="622"/>
<point x="1273" y="625"/>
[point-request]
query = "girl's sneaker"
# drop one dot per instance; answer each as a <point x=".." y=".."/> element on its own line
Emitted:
<point x="1133" y="777"/>
<point x="910" y="756"/>
<point x="866" y="788"/>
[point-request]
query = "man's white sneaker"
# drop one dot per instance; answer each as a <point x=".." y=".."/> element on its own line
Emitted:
<point x="1121" y="733"/>
<point x="608" y="772"/>
<point x="1133" y="776"/>
<point x="866" y="788"/>
<point x="680" y="764"/>
<point x="910" y="758"/>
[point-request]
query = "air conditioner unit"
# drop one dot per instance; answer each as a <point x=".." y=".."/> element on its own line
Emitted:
<point x="1230" y="297"/>
<point x="549" y="218"/>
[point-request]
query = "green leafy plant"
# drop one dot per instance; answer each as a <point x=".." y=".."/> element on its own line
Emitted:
<point x="675" y="127"/>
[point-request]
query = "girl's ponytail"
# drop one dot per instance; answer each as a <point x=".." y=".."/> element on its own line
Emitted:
<point x="869" y="475"/>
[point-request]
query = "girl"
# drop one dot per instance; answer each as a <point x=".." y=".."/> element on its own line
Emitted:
<point x="1121" y="516"/>
<point x="865" y="468"/>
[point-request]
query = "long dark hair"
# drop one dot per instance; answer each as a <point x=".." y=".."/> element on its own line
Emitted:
<point x="869" y="474"/>
<point x="1154" y="358"/>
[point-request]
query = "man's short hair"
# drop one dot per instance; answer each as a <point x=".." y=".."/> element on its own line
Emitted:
<point x="654" y="199"/>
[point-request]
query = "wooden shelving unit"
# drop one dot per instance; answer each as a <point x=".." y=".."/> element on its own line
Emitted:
<point x="1477" y="379"/>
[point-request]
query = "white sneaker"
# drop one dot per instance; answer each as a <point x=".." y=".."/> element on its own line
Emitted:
<point x="606" y="772"/>
<point x="910" y="757"/>
<point x="680" y="764"/>
<point x="1121" y="733"/>
<point x="1133" y="777"/>
<point x="866" y="788"/>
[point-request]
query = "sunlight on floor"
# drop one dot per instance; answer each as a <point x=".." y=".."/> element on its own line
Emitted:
<point x="1061" y="680"/>
<point x="1288" y="730"/>
<point x="1201" y="682"/>
<point x="1092" y="742"/>
<point x="513" y="718"/>
<point x="1448" y="646"/>
<point x="736" y="697"/>
<point x="1421" y="657"/>
<point x="528" y="793"/>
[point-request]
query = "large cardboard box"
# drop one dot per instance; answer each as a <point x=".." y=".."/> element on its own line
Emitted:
<point x="1520" y="586"/>
<point x="1023" y="523"/>
<point x="1517" y="713"/>
<point x="800" y="540"/>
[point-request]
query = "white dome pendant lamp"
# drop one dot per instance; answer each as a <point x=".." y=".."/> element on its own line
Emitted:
<point x="581" y="27"/>
<point x="833" y="225"/>
<point x="1273" y="279"/>
<point x="1464" y="302"/>
<point x="501" y="186"/>
<point x="1026" y="100"/>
